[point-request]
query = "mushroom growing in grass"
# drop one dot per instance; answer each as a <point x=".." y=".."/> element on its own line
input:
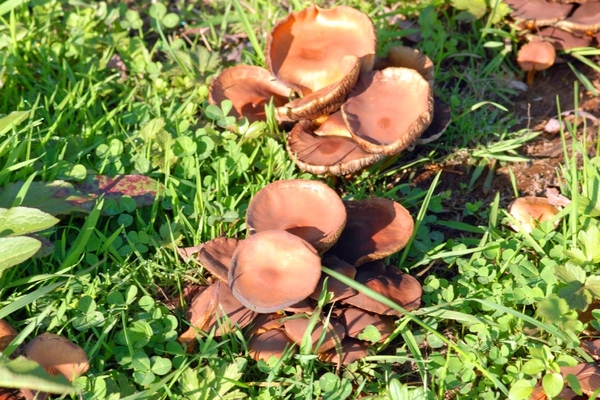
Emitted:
<point x="529" y="209"/>
<point x="536" y="55"/>
<point x="58" y="355"/>
<point x="272" y="270"/>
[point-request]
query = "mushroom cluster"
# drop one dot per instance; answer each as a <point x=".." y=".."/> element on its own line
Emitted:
<point x="272" y="280"/>
<point x="550" y="25"/>
<point x="55" y="353"/>
<point x="350" y="108"/>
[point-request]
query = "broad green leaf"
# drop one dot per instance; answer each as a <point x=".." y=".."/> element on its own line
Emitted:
<point x="15" y="250"/>
<point x="593" y="285"/>
<point x="14" y="118"/>
<point x="533" y="366"/>
<point x="576" y="295"/>
<point x="23" y="373"/>
<point x="569" y="273"/>
<point x="170" y="20"/>
<point x="520" y="390"/>
<point x="158" y="11"/>
<point x="151" y="128"/>
<point x="22" y="220"/>
<point x="552" y="383"/>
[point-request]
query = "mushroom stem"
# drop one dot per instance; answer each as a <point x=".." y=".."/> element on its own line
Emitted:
<point x="530" y="76"/>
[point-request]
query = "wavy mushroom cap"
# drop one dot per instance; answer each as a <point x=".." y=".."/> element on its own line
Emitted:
<point x="536" y="55"/>
<point x="327" y="154"/>
<point x="272" y="270"/>
<point x="215" y="256"/>
<point x="335" y="332"/>
<point x="304" y="50"/>
<point x="323" y="102"/>
<point x="267" y="344"/>
<point x="388" y="109"/>
<point x="340" y="290"/>
<point x="563" y="40"/>
<point x="57" y="354"/>
<point x="407" y="57"/>
<point x="376" y="228"/>
<point x="249" y="88"/>
<point x="585" y="19"/>
<point x="401" y="288"/>
<point x="539" y="12"/>
<point x="442" y="116"/>
<point x="526" y="210"/>
<point x="308" y="209"/>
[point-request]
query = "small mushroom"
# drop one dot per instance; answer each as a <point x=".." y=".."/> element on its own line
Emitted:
<point x="526" y="210"/>
<point x="376" y="228"/>
<point x="249" y="88"/>
<point x="57" y="354"/>
<point x="335" y="332"/>
<point x="308" y="209"/>
<point x="272" y="270"/>
<point x="270" y="343"/>
<point x="536" y="55"/>
<point x="388" y="109"/>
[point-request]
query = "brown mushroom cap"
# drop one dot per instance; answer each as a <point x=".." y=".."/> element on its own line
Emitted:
<point x="308" y="209"/>
<point x="296" y="328"/>
<point x="270" y="343"/>
<point x="330" y="154"/>
<point x="340" y="290"/>
<point x="587" y="374"/>
<point x="376" y="228"/>
<point x="388" y="109"/>
<point x="304" y="49"/>
<point x="7" y="334"/>
<point x="442" y="116"/>
<point x="539" y="12"/>
<point x="249" y="88"/>
<point x="356" y="320"/>
<point x="272" y="270"/>
<point x="216" y="255"/>
<point x="407" y="57"/>
<point x="352" y="350"/>
<point x="585" y="18"/>
<point x="563" y="40"/>
<point x="536" y="55"/>
<point x="58" y="354"/>
<point x="266" y="322"/>
<point x="326" y="100"/>
<point x="526" y="210"/>
<point x="216" y="307"/>
<point x="401" y="288"/>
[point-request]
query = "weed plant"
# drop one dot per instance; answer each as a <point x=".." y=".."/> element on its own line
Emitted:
<point x="109" y="88"/>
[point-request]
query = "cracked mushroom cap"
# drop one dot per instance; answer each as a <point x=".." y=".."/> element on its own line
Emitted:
<point x="536" y="55"/>
<point x="376" y="228"/>
<point x="249" y="88"/>
<point x="304" y="49"/>
<point x="335" y="332"/>
<point x="388" y="109"/>
<point x="526" y="210"/>
<point x="399" y="287"/>
<point x="310" y="210"/>
<point x="57" y="354"/>
<point x="330" y="152"/>
<point x="272" y="270"/>
<point x="585" y="19"/>
<point x="539" y="12"/>
<point x="323" y="102"/>
<point x="215" y="307"/>
<point x="215" y="256"/>
<point x="267" y="344"/>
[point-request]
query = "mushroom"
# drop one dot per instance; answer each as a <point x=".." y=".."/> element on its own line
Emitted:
<point x="272" y="270"/>
<point x="268" y="344"/>
<point x="356" y="320"/>
<point x="352" y="350"/>
<point x="536" y="55"/>
<point x="526" y="210"/>
<point x="304" y="50"/>
<point x="340" y="290"/>
<point x="249" y="88"/>
<point x="439" y="123"/>
<point x="538" y="13"/>
<point x="585" y="19"/>
<point x="308" y="209"/>
<point x="376" y="228"/>
<point x="57" y="354"/>
<point x="401" y="288"/>
<point x="380" y="120"/>
<point x="588" y="375"/>
<point x="329" y="153"/>
<point x="7" y="334"/>
<point x="216" y="255"/>
<point x="564" y="40"/>
<point x="407" y="57"/>
<point x="296" y="328"/>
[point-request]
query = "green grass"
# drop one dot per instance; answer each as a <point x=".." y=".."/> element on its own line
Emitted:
<point x="496" y="316"/>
